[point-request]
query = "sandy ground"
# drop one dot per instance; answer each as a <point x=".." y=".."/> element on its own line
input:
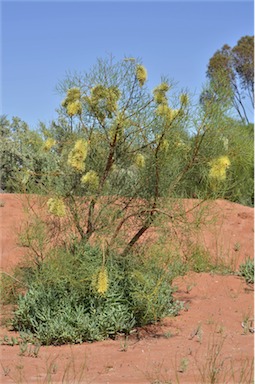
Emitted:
<point x="206" y="343"/>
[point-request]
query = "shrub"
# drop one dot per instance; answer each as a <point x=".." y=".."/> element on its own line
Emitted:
<point x="247" y="271"/>
<point x="63" y="304"/>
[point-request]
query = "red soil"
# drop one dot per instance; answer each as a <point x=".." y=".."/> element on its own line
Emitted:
<point x="206" y="339"/>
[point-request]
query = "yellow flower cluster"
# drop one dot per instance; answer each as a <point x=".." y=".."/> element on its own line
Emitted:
<point x="165" y="145"/>
<point x="91" y="178"/>
<point x="141" y="74"/>
<point x="184" y="99"/>
<point x="26" y="175"/>
<point x="140" y="160"/>
<point x="166" y="112"/>
<point x="78" y="155"/>
<point x="72" y="102"/>
<point x="102" y="281"/>
<point x="56" y="207"/>
<point x="103" y="101"/>
<point x="74" y="108"/>
<point x="160" y="93"/>
<point x="101" y="92"/>
<point x="49" y="143"/>
<point x="218" y="168"/>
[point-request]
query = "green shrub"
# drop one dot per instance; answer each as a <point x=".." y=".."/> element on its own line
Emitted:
<point x="247" y="271"/>
<point x="63" y="304"/>
<point x="8" y="289"/>
<point x="199" y="260"/>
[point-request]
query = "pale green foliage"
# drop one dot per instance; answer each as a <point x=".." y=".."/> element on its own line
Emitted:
<point x="72" y="299"/>
<point x="247" y="271"/>
<point x="21" y="155"/>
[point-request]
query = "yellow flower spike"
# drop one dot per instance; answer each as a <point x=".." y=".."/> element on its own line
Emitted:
<point x="73" y="95"/>
<point x="141" y="74"/>
<point x="165" y="145"/>
<point x="74" y="108"/>
<point x="78" y="155"/>
<point x="160" y="93"/>
<point x="140" y="160"/>
<point x="184" y="99"/>
<point x="163" y="87"/>
<point x="102" y="282"/>
<point x="218" y="168"/>
<point x="92" y="179"/>
<point x="56" y="207"/>
<point x="110" y="96"/>
<point x="175" y="112"/>
<point x="162" y="110"/>
<point x="160" y="98"/>
<point x="114" y="93"/>
<point x="165" y="111"/>
<point x="49" y="143"/>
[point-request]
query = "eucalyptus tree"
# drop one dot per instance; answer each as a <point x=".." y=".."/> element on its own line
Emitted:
<point x="233" y="69"/>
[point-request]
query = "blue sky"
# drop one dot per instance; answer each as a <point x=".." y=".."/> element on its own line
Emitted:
<point x="42" y="40"/>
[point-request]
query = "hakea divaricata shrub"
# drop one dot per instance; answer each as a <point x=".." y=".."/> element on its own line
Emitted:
<point x="123" y="144"/>
<point x="78" y="154"/>
<point x="118" y="155"/>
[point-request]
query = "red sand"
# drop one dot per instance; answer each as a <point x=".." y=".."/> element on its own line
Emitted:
<point x="179" y="349"/>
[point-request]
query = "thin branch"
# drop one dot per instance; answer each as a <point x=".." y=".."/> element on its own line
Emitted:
<point x="14" y="278"/>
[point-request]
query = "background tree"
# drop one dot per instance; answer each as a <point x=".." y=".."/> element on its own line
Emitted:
<point x="21" y="155"/>
<point x="243" y="62"/>
<point x="233" y="69"/>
